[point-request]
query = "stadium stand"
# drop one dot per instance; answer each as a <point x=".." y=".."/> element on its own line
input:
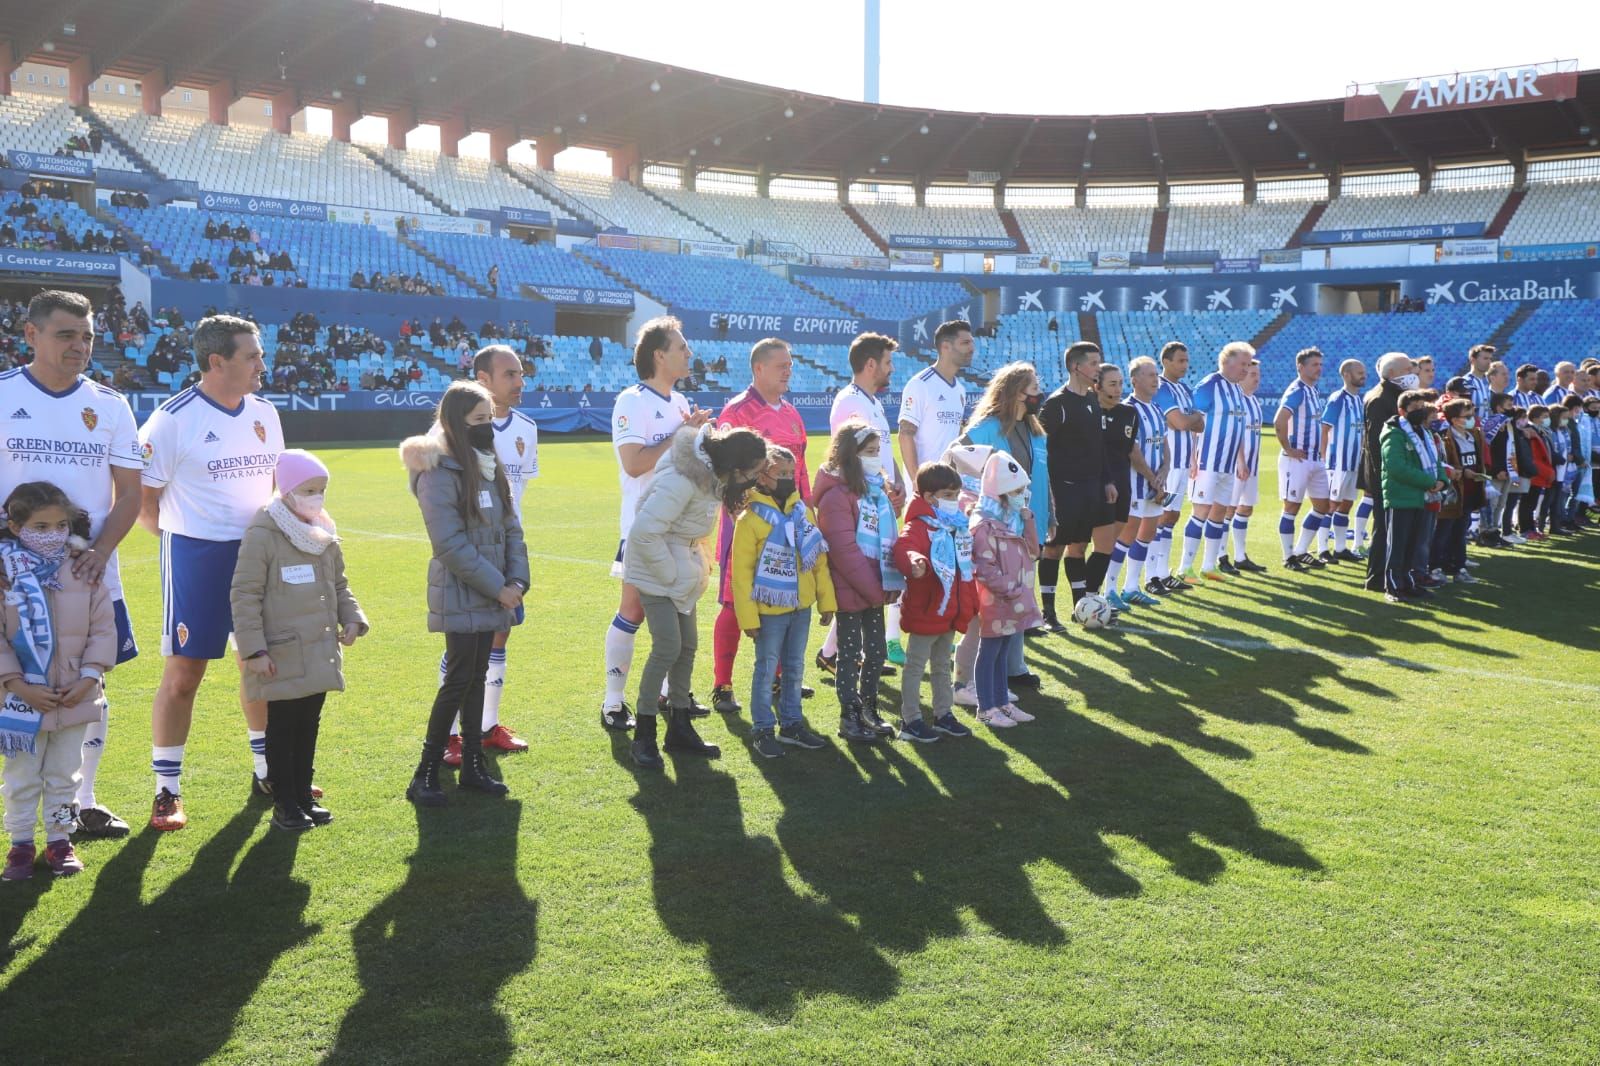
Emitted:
<point x="814" y="225"/>
<point x="971" y="221"/>
<point x="633" y="209"/>
<point x="262" y="162"/>
<point x="75" y="220"/>
<point x="1232" y="230"/>
<point x="1079" y="232"/>
<point x="43" y="124"/>
<point x="1557" y="330"/>
<point x="466" y="182"/>
<point x="878" y="297"/>
<point x="1444" y="331"/>
<point x="710" y="284"/>
<point x="1556" y="213"/>
<point x="520" y="264"/>
<point x="1355" y="210"/>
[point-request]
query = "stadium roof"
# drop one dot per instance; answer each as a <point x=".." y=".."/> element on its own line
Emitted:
<point x="378" y="61"/>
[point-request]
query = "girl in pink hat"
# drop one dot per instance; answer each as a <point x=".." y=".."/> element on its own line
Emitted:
<point x="293" y="614"/>
<point x="1005" y="546"/>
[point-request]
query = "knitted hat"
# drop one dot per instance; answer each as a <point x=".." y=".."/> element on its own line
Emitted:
<point x="1003" y="474"/>
<point x="296" y="467"/>
<point x="968" y="459"/>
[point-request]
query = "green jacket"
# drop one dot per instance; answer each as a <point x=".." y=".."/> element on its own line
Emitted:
<point x="1405" y="479"/>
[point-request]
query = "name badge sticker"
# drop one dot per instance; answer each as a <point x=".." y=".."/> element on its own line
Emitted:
<point x="485" y="501"/>
<point x="302" y="574"/>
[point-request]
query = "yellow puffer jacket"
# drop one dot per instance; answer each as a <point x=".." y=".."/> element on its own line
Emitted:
<point x="749" y="535"/>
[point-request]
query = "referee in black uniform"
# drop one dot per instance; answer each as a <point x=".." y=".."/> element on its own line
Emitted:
<point x="1081" y="478"/>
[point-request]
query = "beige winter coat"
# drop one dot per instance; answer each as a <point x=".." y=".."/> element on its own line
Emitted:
<point x="291" y="603"/>
<point x="666" y="551"/>
<point x="85" y="634"/>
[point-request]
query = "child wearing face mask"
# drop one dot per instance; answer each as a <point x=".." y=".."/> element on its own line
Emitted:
<point x="1536" y="432"/>
<point x="1005" y="546"/>
<point x="934" y="554"/>
<point x="292" y="612"/>
<point x="58" y="638"/>
<point x="779" y="562"/>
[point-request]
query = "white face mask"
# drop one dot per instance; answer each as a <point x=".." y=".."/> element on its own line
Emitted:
<point x="306" y="505"/>
<point x="872" y="465"/>
<point x="1408" y="381"/>
<point x="950" y="506"/>
<point x="1017" y="500"/>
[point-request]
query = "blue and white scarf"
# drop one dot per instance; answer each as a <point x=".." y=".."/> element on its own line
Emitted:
<point x="34" y="641"/>
<point x="876" y="533"/>
<point x="1010" y="517"/>
<point x="950" y="551"/>
<point x="1426" y="451"/>
<point x="792" y="540"/>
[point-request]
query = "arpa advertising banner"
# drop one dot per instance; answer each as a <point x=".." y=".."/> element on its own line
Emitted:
<point x="263" y="205"/>
<point x="582" y="297"/>
<point x="1459" y="92"/>
<point x="1385" y="234"/>
<point x="80" y="264"/>
<point x="522" y="216"/>
<point x="953" y="244"/>
<point x="52" y="166"/>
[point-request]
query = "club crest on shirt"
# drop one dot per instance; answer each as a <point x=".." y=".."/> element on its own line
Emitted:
<point x="1127" y="431"/>
<point x="90" y="419"/>
<point x="183" y="635"/>
<point x="261" y="432"/>
<point x="522" y="446"/>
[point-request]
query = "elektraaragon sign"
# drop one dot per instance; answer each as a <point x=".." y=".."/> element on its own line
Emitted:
<point x="1461" y="92"/>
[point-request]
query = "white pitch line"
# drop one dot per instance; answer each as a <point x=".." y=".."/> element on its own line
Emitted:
<point x="419" y="538"/>
<point x="1257" y="644"/>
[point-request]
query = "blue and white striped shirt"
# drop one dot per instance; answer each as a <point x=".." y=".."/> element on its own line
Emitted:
<point x="1223" y="405"/>
<point x="1252" y="433"/>
<point x="1344" y="413"/>
<point x="1481" y="390"/>
<point x="1151" y="441"/>
<point x="1555" y="394"/>
<point x="1305" y="417"/>
<point x="1176" y="396"/>
<point x="1526" y="398"/>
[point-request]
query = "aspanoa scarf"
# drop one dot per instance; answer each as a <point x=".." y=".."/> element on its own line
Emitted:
<point x="34" y="641"/>
<point x="876" y="533"/>
<point x="793" y="545"/>
<point x="950" y="548"/>
<point x="1010" y="517"/>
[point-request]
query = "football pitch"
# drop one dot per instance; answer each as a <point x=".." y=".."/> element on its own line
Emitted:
<point x="1272" y="820"/>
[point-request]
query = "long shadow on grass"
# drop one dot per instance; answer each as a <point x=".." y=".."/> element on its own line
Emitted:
<point x="433" y="955"/>
<point x="717" y="885"/>
<point x="162" y="981"/>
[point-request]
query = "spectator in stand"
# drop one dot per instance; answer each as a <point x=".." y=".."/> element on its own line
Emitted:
<point x="494" y="282"/>
<point x="125" y="380"/>
<point x="597" y="350"/>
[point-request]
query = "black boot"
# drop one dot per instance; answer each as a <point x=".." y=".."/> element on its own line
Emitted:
<point x="474" y="773"/>
<point x="318" y="814"/>
<point x="852" y="728"/>
<point x="681" y="736"/>
<point x="424" y="789"/>
<point x="290" y="817"/>
<point x="870" y="721"/>
<point x="643" y="748"/>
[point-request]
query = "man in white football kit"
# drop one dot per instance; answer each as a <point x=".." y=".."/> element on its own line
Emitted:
<point x="81" y="437"/>
<point x="516" y="444"/>
<point x="642" y="423"/>
<point x="871" y="367"/>
<point x="209" y="454"/>
<point x="933" y="405"/>
<point x="1302" y="474"/>
<point x="1246" y="490"/>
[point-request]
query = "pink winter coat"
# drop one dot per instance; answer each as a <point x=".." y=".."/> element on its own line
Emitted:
<point x="857" y="581"/>
<point x="1003" y="569"/>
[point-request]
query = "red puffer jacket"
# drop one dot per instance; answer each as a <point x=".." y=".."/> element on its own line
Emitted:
<point x="919" y="604"/>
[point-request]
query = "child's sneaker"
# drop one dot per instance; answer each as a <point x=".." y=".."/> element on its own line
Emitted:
<point x="764" y="744"/>
<point x="452" y="750"/>
<point x="1017" y="714"/>
<point x="64" y="862"/>
<point x="897" y="653"/>
<point x="917" y="731"/>
<point x="828" y="664"/>
<point x="19" y="862"/>
<point x="946" y="723"/>
<point x="801" y="736"/>
<point x="995" y="718"/>
<point x="967" y="695"/>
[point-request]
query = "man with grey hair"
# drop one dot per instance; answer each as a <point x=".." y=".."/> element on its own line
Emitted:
<point x="1219" y="458"/>
<point x="1558" y="393"/>
<point x="1396" y="374"/>
<point x="762" y="408"/>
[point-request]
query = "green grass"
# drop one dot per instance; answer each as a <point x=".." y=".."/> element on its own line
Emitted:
<point x="1275" y="821"/>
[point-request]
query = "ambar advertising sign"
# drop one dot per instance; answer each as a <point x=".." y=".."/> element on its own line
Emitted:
<point x="1460" y="92"/>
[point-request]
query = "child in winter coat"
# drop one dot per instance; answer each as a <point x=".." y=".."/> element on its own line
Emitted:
<point x="59" y="639"/>
<point x="293" y="612"/>
<point x="1005" y="547"/>
<point x="857" y="520"/>
<point x="934" y="553"/>
<point x="780" y="568"/>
